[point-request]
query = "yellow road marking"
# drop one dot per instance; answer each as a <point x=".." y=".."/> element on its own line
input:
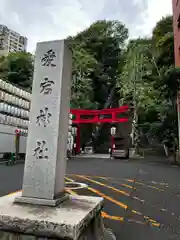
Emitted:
<point x="142" y="184"/>
<point x="135" y="221"/>
<point x="116" y="218"/>
<point x="103" y="214"/>
<point x="128" y="186"/>
<point x="92" y="176"/>
<point x="153" y="221"/>
<point x="161" y="190"/>
<point x="122" y="205"/>
<point x="14" y="192"/>
<point x="104" y="185"/>
<point x="125" y="185"/>
<point x="110" y="179"/>
<point x="114" y="181"/>
<point x="129" y="180"/>
<point x="156" y="224"/>
<point x="138" y="213"/>
<point x="112" y="188"/>
<point x="150" y="186"/>
<point x="104" y="178"/>
<point x="69" y="180"/>
<point x="71" y="192"/>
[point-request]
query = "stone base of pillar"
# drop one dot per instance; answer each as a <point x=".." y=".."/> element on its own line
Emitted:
<point x="78" y="218"/>
<point x="43" y="202"/>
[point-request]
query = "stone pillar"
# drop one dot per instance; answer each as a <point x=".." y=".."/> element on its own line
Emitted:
<point x="48" y="129"/>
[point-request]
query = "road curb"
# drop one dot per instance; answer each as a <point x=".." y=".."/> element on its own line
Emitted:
<point x="108" y="234"/>
<point x="87" y="158"/>
<point x="18" y="162"/>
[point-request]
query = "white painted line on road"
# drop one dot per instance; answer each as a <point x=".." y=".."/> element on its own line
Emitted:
<point x="77" y="185"/>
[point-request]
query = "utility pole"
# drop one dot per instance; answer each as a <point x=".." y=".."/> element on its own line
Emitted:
<point x="135" y="117"/>
<point x="137" y="77"/>
<point x="178" y="113"/>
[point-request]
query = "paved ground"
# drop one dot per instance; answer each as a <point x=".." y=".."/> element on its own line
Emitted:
<point x="142" y="197"/>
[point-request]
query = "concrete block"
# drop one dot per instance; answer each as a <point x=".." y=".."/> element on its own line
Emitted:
<point x="76" y="219"/>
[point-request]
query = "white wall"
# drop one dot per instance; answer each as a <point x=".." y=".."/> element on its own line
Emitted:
<point x="7" y="137"/>
<point x="22" y="148"/>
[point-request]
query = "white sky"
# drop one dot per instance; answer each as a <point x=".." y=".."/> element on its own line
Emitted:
<point x="41" y="20"/>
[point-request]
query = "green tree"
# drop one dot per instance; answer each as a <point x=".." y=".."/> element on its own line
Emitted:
<point x="136" y="89"/>
<point x="151" y="83"/>
<point x="163" y="27"/>
<point x="81" y="91"/>
<point x="102" y="42"/>
<point x="167" y="83"/>
<point x="17" y="68"/>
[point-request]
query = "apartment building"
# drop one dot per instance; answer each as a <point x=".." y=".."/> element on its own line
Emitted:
<point x="11" y="41"/>
<point x="176" y="26"/>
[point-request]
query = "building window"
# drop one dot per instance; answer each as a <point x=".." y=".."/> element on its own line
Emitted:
<point x="22" y="40"/>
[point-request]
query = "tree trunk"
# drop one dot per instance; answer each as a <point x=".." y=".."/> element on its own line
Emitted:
<point x="174" y="157"/>
<point x="166" y="150"/>
<point x="106" y="105"/>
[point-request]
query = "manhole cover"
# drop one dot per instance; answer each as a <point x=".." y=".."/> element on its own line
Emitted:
<point x="75" y="185"/>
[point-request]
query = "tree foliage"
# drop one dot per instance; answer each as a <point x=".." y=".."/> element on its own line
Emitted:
<point x="97" y="61"/>
<point x="103" y="41"/>
<point x="150" y="82"/>
<point x="163" y="27"/>
<point x="17" y="68"/>
<point x="81" y="91"/>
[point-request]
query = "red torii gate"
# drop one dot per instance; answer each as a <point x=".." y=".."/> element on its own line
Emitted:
<point x="109" y="115"/>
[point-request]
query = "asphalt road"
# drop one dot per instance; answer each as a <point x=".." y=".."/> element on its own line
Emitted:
<point x="142" y="197"/>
